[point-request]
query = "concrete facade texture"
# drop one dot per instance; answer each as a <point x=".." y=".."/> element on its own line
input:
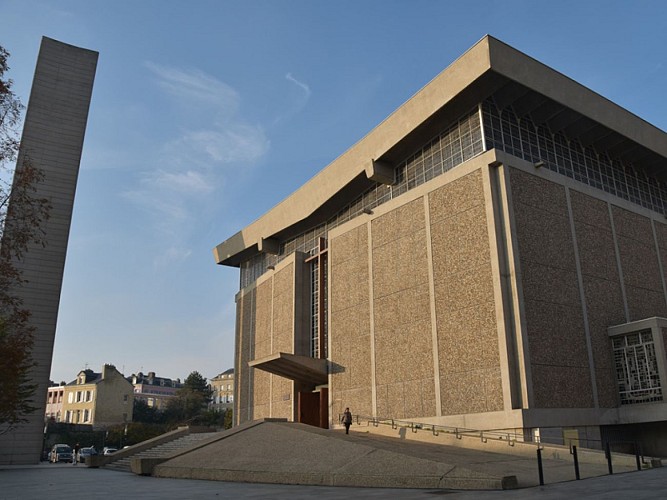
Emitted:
<point x="484" y="294"/>
<point x="601" y="287"/>
<point x="350" y="314"/>
<point x="53" y="133"/>
<point x="558" y="355"/>
<point x="266" y="325"/>
<point x="243" y="380"/>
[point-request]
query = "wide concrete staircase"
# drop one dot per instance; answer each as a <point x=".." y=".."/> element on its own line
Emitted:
<point x="160" y="450"/>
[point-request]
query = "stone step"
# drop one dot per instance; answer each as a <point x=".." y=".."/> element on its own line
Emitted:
<point x="165" y="449"/>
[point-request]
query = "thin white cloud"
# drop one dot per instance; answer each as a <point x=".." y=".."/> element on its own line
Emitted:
<point x="210" y="141"/>
<point x="171" y="256"/>
<point x="233" y="144"/>
<point x="189" y="182"/>
<point x="166" y="211"/>
<point x="296" y="100"/>
<point x="305" y="87"/>
<point x="192" y="86"/>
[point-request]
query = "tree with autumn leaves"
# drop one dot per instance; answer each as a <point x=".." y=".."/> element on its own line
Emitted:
<point x="191" y="400"/>
<point x="21" y="216"/>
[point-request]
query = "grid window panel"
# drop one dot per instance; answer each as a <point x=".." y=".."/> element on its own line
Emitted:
<point x="567" y="156"/>
<point x="636" y="368"/>
<point x="314" y="310"/>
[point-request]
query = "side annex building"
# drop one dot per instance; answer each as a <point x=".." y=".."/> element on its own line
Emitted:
<point x="490" y="256"/>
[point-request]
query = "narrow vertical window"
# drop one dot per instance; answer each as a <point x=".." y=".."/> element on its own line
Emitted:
<point x="318" y="300"/>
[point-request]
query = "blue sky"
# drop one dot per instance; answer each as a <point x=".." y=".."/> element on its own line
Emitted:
<point x="205" y="114"/>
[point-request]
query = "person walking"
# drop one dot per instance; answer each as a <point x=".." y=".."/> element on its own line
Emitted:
<point x="75" y="453"/>
<point x="347" y="420"/>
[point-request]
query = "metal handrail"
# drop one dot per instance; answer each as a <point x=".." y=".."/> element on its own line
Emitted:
<point x="484" y="435"/>
<point x="459" y="432"/>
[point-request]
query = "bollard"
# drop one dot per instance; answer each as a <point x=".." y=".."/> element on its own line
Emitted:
<point x="576" y="463"/>
<point x="608" y="453"/>
<point x="539" y="466"/>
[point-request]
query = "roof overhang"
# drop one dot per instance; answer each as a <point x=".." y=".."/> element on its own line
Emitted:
<point x="294" y="367"/>
<point x="490" y="67"/>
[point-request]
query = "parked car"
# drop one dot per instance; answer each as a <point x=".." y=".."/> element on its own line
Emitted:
<point x="61" y="453"/>
<point x="108" y="450"/>
<point x="84" y="453"/>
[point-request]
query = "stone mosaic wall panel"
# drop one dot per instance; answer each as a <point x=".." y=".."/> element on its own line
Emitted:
<point x="262" y="347"/>
<point x="552" y="304"/>
<point x="283" y="325"/>
<point x="239" y="369"/>
<point x="602" y="287"/>
<point x="261" y="394"/>
<point x="281" y="401"/>
<point x="244" y="344"/>
<point x="263" y="319"/>
<point x="283" y="310"/>
<point x="402" y="317"/>
<point x="349" y="329"/>
<point x="661" y="235"/>
<point x="639" y="261"/>
<point x="469" y="364"/>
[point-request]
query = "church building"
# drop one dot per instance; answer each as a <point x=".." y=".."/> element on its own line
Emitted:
<point x="491" y="256"/>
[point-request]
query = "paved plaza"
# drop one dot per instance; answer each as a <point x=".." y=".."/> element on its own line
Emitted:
<point x="65" y="482"/>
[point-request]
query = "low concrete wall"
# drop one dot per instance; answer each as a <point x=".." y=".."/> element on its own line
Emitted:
<point x="102" y="460"/>
<point x="144" y="466"/>
<point x="492" y="443"/>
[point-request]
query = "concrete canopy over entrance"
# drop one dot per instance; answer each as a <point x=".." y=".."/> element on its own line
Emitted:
<point x="294" y="367"/>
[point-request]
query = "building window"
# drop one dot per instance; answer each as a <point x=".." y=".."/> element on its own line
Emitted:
<point x="636" y="368"/>
<point x="519" y="136"/>
<point x="70" y="398"/>
<point x="318" y="300"/>
<point x="86" y="415"/>
<point x="459" y="142"/>
<point x="314" y="310"/>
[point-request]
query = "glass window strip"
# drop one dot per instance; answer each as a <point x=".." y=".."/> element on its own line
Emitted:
<point x="457" y="143"/>
<point x="314" y="309"/>
<point x="568" y="157"/>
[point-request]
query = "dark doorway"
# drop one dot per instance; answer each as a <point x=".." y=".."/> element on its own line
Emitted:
<point x="313" y="407"/>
